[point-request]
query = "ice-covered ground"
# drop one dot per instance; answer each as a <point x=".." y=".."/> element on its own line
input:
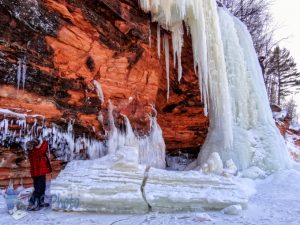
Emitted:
<point x="277" y="201"/>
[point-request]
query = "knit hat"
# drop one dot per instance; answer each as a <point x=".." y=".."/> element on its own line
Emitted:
<point x="32" y="144"/>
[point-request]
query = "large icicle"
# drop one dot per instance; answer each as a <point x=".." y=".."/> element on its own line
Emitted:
<point x="177" y="40"/>
<point x="158" y="40"/>
<point x="19" y="69"/>
<point x="24" y="69"/>
<point x="21" y="73"/>
<point x="167" y="61"/>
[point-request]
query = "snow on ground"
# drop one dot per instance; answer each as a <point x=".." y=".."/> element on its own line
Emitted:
<point x="276" y="202"/>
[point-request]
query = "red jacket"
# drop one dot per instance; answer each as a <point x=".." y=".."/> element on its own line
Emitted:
<point x="39" y="163"/>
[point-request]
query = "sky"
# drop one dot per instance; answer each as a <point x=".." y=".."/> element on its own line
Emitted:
<point x="286" y="16"/>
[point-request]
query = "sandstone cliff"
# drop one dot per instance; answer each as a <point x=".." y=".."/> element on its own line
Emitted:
<point x="66" y="44"/>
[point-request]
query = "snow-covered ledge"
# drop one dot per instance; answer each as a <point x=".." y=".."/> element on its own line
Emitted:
<point x="118" y="184"/>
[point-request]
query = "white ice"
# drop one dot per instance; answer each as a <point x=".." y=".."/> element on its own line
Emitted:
<point x="256" y="139"/>
<point x="99" y="91"/>
<point x="241" y="125"/>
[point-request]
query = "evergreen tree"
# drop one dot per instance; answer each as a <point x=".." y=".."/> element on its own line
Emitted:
<point x="291" y="107"/>
<point x="283" y="73"/>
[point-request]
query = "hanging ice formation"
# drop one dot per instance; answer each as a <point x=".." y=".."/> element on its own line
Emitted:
<point x="151" y="148"/>
<point x="63" y="143"/>
<point x="99" y="91"/>
<point x="21" y="73"/>
<point x="230" y="80"/>
<point x="167" y="61"/>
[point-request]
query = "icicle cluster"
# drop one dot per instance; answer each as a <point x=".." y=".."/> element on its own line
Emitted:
<point x="63" y="143"/>
<point x="67" y="147"/>
<point x="151" y="148"/>
<point x="170" y="14"/>
<point x="230" y="80"/>
<point x="201" y="19"/>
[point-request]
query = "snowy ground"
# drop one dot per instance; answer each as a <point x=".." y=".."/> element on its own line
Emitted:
<point x="277" y="201"/>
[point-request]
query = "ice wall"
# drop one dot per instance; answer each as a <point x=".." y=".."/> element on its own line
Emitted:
<point x="230" y="80"/>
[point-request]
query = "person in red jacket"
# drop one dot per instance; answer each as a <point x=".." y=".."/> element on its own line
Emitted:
<point x="39" y="167"/>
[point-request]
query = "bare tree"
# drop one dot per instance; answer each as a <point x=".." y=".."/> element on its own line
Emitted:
<point x="257" y="17"/>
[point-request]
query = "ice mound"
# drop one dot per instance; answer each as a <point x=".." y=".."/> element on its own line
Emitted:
<point x="116" y="183"/>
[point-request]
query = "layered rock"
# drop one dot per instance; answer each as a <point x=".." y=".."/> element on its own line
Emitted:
<point x="15" y="168"/>
<point x="66" y="45"/>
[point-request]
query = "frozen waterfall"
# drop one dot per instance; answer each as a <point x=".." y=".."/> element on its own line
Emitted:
<point x="151" y="148"/>
<point x="230" y="80"/>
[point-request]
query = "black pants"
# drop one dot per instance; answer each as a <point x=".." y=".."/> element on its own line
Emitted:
<point x="39" y="184"/>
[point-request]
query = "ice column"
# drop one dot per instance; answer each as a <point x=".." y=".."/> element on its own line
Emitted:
<point x="152" y="148"/>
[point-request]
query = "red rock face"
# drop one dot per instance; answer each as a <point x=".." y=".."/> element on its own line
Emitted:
<point x="68" y="44"/>
<point x="15" y="168"/>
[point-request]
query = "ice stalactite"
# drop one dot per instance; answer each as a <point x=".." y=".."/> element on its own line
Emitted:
<point x="99" y="91"/>
<point x="167" y="61"/>
<point x="158" y="40"/>
<point x="19" y="68"/>
<point x="100" y="117"/>
<point x="177" y="41"/>
<point x="24" y="69"/>
<point x="150" y="41"/>
<point x="21" y="73"/>
<point x="230" y="80"/>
